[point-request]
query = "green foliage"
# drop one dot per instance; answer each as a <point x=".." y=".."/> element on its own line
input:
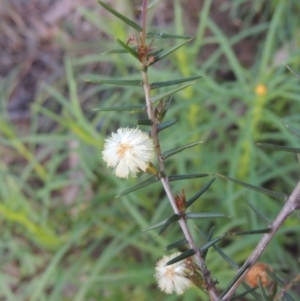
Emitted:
<point x="92" y="247"/>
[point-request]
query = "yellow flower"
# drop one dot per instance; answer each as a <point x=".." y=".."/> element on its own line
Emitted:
<point x="261" y="90"/>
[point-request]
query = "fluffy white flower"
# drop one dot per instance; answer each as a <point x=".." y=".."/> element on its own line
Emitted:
<point x="128" y="151"/>
<point x="172" y="278"/>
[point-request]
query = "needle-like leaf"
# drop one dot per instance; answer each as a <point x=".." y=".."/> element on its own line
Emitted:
<point x="172" y="152"/>
<point x="130" y="50"/>
<point x="166" y="124"/>
<point x="262" y="290"/>
<point x="95" y="79"/>
<point x="168" y="222"/>
<point x="121" y="17"/>
<point x="161" y="96"/>
<point x="185" y="177"/>
<point x="173" y="82"/>
<point x="176" y="244"/>
<point x="139" y="186"/>
<point x="162" y="55"/>
<point x="136" y="108"/>
<point x="278" y="195"/>
<point x="198" y="194"/>
<point x="161" y="35"/>
<point x="204" y="215"/>
<point x="182" y="256"/>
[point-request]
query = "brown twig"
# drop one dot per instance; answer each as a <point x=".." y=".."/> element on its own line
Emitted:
<point x="291" y="205"/>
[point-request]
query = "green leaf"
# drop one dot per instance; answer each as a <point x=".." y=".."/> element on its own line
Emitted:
<point x="294" y="72"/>
<point x="185" y="177"/>
<point x="210" y="243"/>
<point x="144" y="122"/>
<point x="166" y="124"/>
<point x="209" y="236"/>
<point x="262" y="290"/>
<point x="240" y="296"/>
<point x="173" y="82"/>
<point x="154" y="179"/>
<point x="275" y="277"/>
<point x="172" y="152"/>
<point x="135" y="109"/>
<point x="226" y="257"/>
<point x="235" y="279"/>
<point x="278" y="195"/>
<point x="198" y="194"/>
<point x="112" y="51"/>
<point x="154" y="52"/>
<point x="280" y="147"/>
<point x="161" y="96"/>
<point x="291" y="129"/>
<point x="259" y="214"/>
<point x="176" y="244"/>
<point x="42" y="234"/>
<point x="147" y="182"/>
<point x="168" y="222"/>
<point x="182" y="256"/>
<point x="121" y="17"/>
<point x="164" y="54"/>
<point x="259" y="231"/>
<point x="252" y="292"/>
<point x="130" y="50"/>
<point x="204" y="215"/>
<point x="155" y="225"/>
<point x="161" y="35"/>
<point x="96" y="79"/>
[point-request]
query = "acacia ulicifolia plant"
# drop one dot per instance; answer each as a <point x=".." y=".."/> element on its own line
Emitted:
<point x="131" y="150"/>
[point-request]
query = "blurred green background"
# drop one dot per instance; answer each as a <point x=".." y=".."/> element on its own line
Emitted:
<point x="64" y="236"/>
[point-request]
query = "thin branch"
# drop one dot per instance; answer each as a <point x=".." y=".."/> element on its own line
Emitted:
<point x="291" y="205"/>
<point x="209" y="283"/>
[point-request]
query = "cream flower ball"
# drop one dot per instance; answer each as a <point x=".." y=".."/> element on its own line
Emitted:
<point x="128" y="151"/>
<point x="172" y="278"/>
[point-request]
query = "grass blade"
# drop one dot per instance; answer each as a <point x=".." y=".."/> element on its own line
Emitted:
<point x="291" y="129"/>
<point x="280" y="147"/>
